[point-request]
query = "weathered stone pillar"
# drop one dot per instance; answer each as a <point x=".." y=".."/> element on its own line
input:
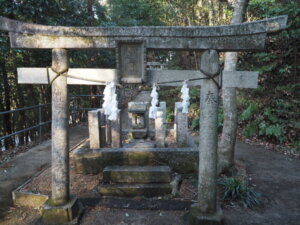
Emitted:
<point x="160" y="125"/>
<point x="108" y="130"/>
<point x="116" y="132"/>
<point x="94" y="128"/>
<point x="206" y="211"/>
<point x="181" y="126"/>
<point x="97" y="128"/>
<point x="60" y="129"/>
<point x="60" y="208"/>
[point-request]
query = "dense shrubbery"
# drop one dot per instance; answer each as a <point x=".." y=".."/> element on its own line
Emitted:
<point x="272" y="111"/>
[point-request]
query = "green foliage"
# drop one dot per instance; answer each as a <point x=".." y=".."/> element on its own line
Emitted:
<point x="252" y="108"/>
<point x="275" y="116"/>
<point x="136" y="13"/>
<point x="238" y="189"/>
<point x="195" y="123"/>
<point x="265" y="122"/>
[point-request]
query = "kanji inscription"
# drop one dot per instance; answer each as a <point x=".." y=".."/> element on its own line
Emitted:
<point x="211" y="98"/>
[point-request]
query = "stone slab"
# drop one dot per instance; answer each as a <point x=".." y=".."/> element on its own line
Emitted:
<point x="237" y="79"/>
<point x="137" y="107"/>
<point x="130" y="190"/>
<point x="226" y="43"/>
<point x="131" y="61"/>
<point x="168" y="77"/>
<point x="267" y="25"/>
<point x="140" y="143"/>
<point x="246" y="36"/>
<point x="181" y="160"/>
<point x="87" y="76"/>
<point x="240" y="79"/>
<point x="28" y="199"/>
<point x="137" y="174"/>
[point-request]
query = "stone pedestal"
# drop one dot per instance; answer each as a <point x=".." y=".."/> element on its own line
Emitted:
<point x="97" y="128"/>
<point x="116" y="132"/>
<point x="181" y="126"/>
<point x="196" y="217"/>
<point x="160" y="125"/>
<point x="68" y="213"/>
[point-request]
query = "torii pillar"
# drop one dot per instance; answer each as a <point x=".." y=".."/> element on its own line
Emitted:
<point x="60" y="208"/>
<point x="60" y="132"/>
<point x="206" y="211"/>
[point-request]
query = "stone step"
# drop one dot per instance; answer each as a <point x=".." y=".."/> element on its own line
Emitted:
<point x="139" y="143"/>
<point x="92" y="161"/>
<point x="137" y="174"/>
<point x="130" y="190"/>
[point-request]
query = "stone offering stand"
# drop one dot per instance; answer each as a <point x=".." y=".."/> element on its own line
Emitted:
<point x="131" y="170"/>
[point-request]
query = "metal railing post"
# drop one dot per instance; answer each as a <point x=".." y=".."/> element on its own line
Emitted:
<point x="40" y="123"/>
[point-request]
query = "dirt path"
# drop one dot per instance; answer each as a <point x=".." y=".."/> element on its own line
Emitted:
<point x="25" y="165"/>
<point x="275" y="175"/>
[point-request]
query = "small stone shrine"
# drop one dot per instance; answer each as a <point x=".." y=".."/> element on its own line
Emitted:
<point x="138" y="116"/>
<point x="133" y="169"/>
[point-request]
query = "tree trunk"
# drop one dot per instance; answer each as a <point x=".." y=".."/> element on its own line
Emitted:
<point x="211" y="13"/>
<point x="228" y="137"/>
<point x="21" y="114"/>
<point x="9" y="143"/>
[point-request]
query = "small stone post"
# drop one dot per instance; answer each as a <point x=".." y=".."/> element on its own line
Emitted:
<point x="94" y="129"/>
<point x="97" y="128"/>
<point x="60" y="208"/>
<point x="116" y="132"/>
<point x="206" y="211"/>
<point x="160" y="125"/>
<point x="181" y="126"/>
<point x="108" y="130"/>
<point x="103" y="128"/>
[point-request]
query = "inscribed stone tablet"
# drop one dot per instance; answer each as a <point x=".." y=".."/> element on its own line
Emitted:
<point x="131" y="62"/>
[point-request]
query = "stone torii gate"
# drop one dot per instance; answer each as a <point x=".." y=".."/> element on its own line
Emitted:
<point x="130" y="44"/>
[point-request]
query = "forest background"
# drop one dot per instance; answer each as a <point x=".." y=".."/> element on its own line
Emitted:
<point x="270" y="113"/>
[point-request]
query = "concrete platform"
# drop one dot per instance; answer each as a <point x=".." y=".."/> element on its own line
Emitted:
<point x="137" y="174"/>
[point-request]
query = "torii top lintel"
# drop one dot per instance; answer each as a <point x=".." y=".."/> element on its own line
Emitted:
<point x="240" y="37"/>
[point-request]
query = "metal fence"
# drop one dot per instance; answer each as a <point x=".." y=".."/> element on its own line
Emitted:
<point x="42" y="119"/>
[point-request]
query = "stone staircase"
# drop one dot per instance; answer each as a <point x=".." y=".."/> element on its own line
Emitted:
<point x="132" y="181"/>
